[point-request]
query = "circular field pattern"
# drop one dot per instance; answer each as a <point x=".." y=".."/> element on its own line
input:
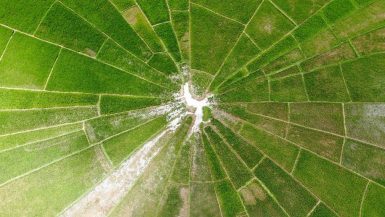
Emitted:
<point x="192" y="108"/>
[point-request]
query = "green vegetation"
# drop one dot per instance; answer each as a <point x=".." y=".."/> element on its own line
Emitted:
<point x="238" y="173"/>
<point x="323" y="116"/>
<point x="282" y="152"/>
<point x="166" y="33"/>
<point x="365" y="159"/>
<point x="364" y="121"/>
<point x="92" y="76"/>
<point x="366" y="85"/>
<point x="244" y="50"/>
<point x="258" y="202"/>
<point x="136" y="18"/>
<point x="23" y="15"/>
<point x="241" y="10"/>
<point x="103" y="127"/>
<point x="64" y="27"/>
<point x="21" y="120"/>
<point x="324" y="144"/>
<point x="324" y="179"/>
<point x="373" y="201"/>
<point x="37" y="154"/>
<point x="27" y="62"/>
<point x="268" y="25"/>
<point x="29" y="99"/>
<point x="294" y="198"/>
<point x="156" y="11"/>
<point x="116" y="104"/>
<point x="104" y="16"/>
<point x="163" y="63"/>
<point x="113" y="54"/>
<point x="326" y="84"/>
<point x="290" y="89"/>
<point x="95" y="120"/>
<point x="207" y="39"/>
<point x="120" y="146"/>
<point x="72" y="176"/>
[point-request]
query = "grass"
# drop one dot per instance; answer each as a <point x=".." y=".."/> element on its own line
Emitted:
<point x="27" y="62"/>
<point x="116" y="104"/>
<point x="38" y="154"/>
<point x="207" y="39"/>
<point x="156" y="11"/>
<point x="323" y="116"/>
<point x="23" y="15"/>
<point x="180" y="23"/>
<point x="324" y="179"/>
<point x="15" y="121"/>
<point x="23" y="138"/>
<point x="166" y="33"/>
<point x="268" y="25"/>
<point x="241" y="10"/>
<point x="365" y="86"/>
<point x="228" y="199"/>
<point x="290" y="89"/>
<point x="282" y="152"/>
<point x="203" y="196"/>
<point x="92" y="76"/>
<point x="322" y="211"/>
<point x="72" y="177"/>
<point x="300" y="10"/>
<point x="103" y="127"/>
<point x="258" y="202"/>
<point x="334" y="56"/>
<point x="113" y="54"/>
<point x="374" y="200"/>
<point x="163" y="63"/>
<point x="242" y="52"/>
<point x="121" y="146"/>
<point x="272" y="109"/>
<point x="365" y="159"/>
<point x="336" y="10"/>
<point x="293" y="197"/>
<point x="326" y="145"/>
<point x="103" y="15"/>
<point x="249" y="89"/>
<point x="64" y="27"/>
<point x="5" y="35"/>
<point x="326" y="84"/>
<point x="237" y="171"/>
<point x="25" y="99"/>
<point x="364" y="122"/>
<point x="136" y="18"/>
